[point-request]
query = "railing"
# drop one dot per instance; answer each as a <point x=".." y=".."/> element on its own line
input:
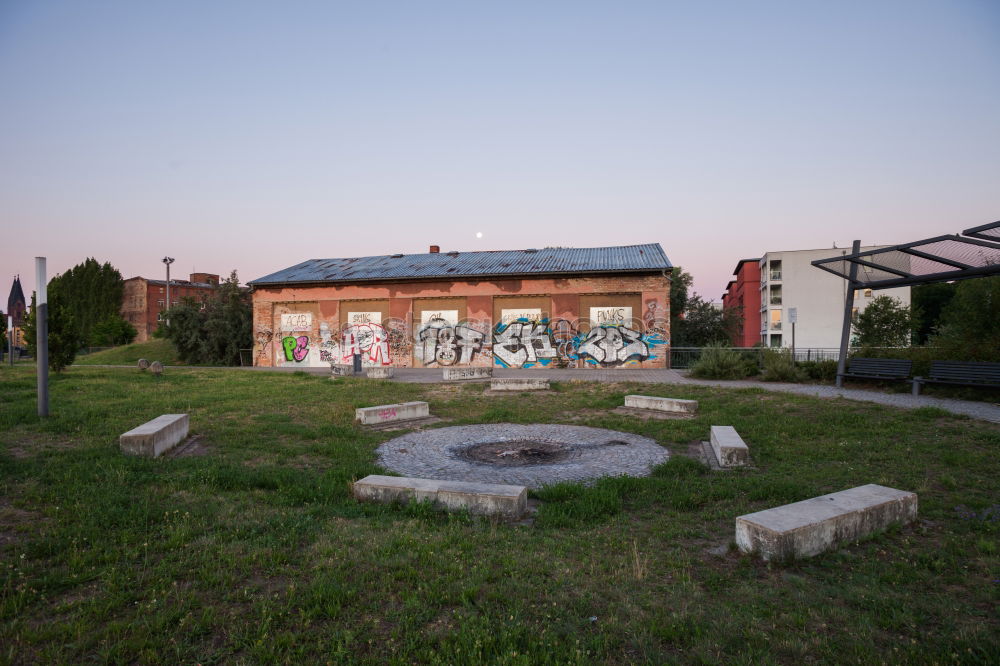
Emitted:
<point x="246" y="357"/>
<point x="775" y="325"/>
<point x="776" y="300"/>
<point x="685" y="357"/>
<point x="775" y="275"/>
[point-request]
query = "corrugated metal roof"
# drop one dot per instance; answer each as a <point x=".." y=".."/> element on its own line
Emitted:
<point x="453" y="265"/>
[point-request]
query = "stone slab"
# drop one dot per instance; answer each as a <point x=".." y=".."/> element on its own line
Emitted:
<point x="671" y="405"/>
<point x="379" y="373"/>
<point x="476" y="498"/>
<point x="729" y="448"/>
<point x="153" y="438"/>
<point x="520" y="384"/>
<point x="389" y="413"/>
<point x="810" y="527"/>
<point x="341" y="370"/>
<point x="464" y="374"/>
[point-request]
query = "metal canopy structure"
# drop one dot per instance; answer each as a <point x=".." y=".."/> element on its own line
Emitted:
<point x="974" y="253"/>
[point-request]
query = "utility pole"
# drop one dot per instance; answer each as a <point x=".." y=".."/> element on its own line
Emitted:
<point x="168" y="261"/>
<point x="42" y="336"/>
<point x="845" y="333"/>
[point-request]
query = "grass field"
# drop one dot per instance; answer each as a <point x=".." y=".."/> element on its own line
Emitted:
<point x="254" y="552"/>
<point x="157" y="349"/>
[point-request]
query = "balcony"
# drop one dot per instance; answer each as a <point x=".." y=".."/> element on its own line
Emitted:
<point x="776" y="300"/>
<point x="775" y="325"/>
<point x="775" y="275"/>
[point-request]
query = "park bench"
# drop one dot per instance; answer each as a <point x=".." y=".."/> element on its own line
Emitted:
<point x="878" y="368"/>
<point x="960" y="373"/>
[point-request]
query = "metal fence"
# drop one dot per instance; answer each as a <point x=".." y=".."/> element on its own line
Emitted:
<point x="685" y="357"/>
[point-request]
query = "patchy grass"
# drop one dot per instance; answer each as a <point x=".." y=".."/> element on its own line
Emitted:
<point x="156" y="349"/>
<point x="255" y="552"/>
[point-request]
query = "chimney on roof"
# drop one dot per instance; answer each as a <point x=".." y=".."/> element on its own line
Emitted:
<point x="435" y="249"/>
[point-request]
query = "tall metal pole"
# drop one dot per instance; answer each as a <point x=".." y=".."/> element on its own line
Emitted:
<point x="168" y="261"/>
<point x="10" y="339"/>
<point x="845" y="333"/>
<point x="42" y="336"/>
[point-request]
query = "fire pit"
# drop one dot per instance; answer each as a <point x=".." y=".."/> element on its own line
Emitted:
<point x="529" y="455"/>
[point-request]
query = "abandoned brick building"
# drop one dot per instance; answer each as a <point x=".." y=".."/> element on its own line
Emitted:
<point x="144" y="300"/>
<point x="566" y="307"/>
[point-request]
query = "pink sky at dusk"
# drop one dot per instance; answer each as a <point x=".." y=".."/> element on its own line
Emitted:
<point x="255" y="136"/>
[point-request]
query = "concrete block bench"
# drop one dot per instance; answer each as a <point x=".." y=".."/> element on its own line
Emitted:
<point x="155" y="437"/>
<point x="520" y="384"/>
<point x="729" y="448"/>
<point x="379" y="373"/>
<point x="810" y="527"/>
<point x="406" y="411"/>
<point x="477" y="498"/>
<point x="341" y="370"/>
<point x="669" y="405"/>
<point x="460" y="374"/>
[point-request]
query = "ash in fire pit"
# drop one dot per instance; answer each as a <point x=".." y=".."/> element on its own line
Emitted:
<point x="524" y="452"/>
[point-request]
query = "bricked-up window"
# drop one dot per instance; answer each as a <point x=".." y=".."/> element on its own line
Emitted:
<point x="161" y="290"/>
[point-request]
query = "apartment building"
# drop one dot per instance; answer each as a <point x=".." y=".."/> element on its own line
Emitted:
<point x="744" y="293"/>
<point x="144" y="300"/>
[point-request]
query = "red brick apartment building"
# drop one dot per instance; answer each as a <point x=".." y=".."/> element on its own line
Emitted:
<point x="601" y="307"/>
<point x="144" y="299"/>
<point x="744" y="292"/>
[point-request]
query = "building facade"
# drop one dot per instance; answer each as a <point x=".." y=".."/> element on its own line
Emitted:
<point x="790" y="283"/>
<point x="564" y="307"/>
<point x="17" y="310"/>
<point x="144" y="301"/>
<point x="744" y="294"/>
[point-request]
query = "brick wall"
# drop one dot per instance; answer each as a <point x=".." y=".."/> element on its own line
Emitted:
<point x="443" y="323"/>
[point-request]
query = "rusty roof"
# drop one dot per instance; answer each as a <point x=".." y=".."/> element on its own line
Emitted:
<point x="455" y="265"/>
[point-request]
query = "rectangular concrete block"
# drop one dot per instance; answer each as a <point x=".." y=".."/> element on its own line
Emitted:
<point x="476" y="498"/>
<point x="520" y="384"/>
<point x="730" y="449"/>
<point x="458" y="374"/>
<point x="153" y="438"/>
<point x="810" y="527"/>
<point x="379" y="373"/>
<point x="671" y="405"/>
<point x="341" y="370"/>
<point x="388" y="413"/>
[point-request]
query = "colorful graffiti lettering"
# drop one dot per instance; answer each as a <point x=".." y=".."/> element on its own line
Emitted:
<point x="521" y="344"/>
<point x="613" y="345"/>
<point x="264" y="337"/>
<point x="296" y="348"/>
<point x="444" y="344"/>
<point x="370" y="341"/>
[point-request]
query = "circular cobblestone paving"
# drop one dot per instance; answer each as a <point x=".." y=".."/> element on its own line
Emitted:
<point x="524" y="455"/>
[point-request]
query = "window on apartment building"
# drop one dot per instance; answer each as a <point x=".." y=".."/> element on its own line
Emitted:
<point x="775" y="295"/>
<point x="160" y="304"/>
<point x="775" y="269"/>
<point x="161" y="290"/>
<point x="775" y="340"/>
<point x="868" y="293"/>
<point x="854" y="313"/>
<point x="775" y="320"/>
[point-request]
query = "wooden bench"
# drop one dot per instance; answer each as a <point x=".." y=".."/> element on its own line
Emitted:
<point x="878" y="368"/>
<point x="960" y="373"/>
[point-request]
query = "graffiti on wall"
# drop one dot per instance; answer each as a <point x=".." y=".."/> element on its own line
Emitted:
<point x="371" y="341"/>
<point x="264" y="337"/>
<point x="523" y="344"/>
<point x="444" y="343"/>
<point x="296" y="348"/>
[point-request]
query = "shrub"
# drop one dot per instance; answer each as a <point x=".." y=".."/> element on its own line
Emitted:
<point x="779" y="366"/>
<point x="820" y="370"/>
<point x="720" y="362"/>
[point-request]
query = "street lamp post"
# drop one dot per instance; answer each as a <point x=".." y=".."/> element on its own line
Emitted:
<point x="168" y="261"/>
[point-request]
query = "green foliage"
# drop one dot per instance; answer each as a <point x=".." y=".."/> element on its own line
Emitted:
<point x="64" y="338"/>
<point x="779" y="366"/>
<point x="969" y="328"/>
<point x="113" y="331"/>
<point x="704" y="324"/>
<point x="720" y="362"/>
<point x="819" y="370"/>
<point x="886" y="322"/>
<point x="92" y="293"/>
<point x="929" y="301"/>
<point x="680" y="283"/>
<point x="3" y="330"/>
<point x="212" y="332"/>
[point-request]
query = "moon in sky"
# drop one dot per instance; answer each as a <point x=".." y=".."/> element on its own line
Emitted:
<point x="479" y="234"/>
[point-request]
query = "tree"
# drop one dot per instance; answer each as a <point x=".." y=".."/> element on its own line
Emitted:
<point x="929" y="301"/>
<point x="969" y="328"/>
<point x="213" y="331"/>
<point x="64" y="337"/>
<point x="112" y="331"/>
<point x="680" y="283"/>
<point x="93" y="294"/>
<point x="886" y="322"/>
<point x="703" y="324"/>
<point x="3" y="331"/>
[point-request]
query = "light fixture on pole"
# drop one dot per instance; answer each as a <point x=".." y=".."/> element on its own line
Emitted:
<point x="168" y="261"/>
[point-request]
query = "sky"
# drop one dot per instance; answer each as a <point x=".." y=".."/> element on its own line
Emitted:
<point x="251" y="136"/>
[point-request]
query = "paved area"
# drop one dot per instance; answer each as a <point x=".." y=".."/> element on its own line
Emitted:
<point x="588" y="453"/>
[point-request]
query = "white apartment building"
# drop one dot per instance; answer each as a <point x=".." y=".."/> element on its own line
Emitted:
<point x="789" y="281"/>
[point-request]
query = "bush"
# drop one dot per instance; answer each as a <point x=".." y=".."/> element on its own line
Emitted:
<point x="820" y="370"/>
<point x="720" y="362"/>
<point x="779" y="366"/>
<point x="112" y="331"/>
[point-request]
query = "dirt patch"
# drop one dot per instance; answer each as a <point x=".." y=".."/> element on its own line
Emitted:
<point x="28" y="446"/>
<point x="191" y="447"/>
<point x="414" y="424"/>
<point x="647" y="414"/>
<point x="14" y="523"/>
